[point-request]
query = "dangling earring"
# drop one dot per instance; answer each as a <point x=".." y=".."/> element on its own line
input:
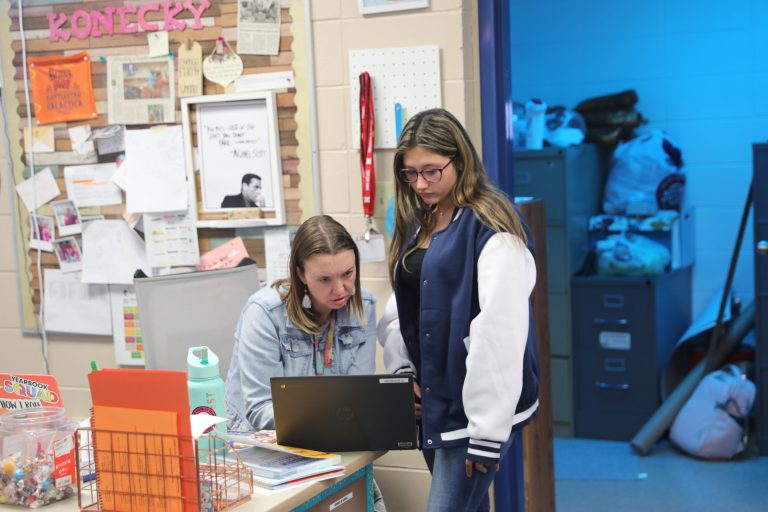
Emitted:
<point x="354" y="290"/>
<point x="306" y="303"/>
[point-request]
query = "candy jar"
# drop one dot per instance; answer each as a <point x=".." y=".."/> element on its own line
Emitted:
<point x="37" y="458"/>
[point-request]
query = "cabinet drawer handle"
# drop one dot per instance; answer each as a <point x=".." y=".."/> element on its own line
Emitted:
<point x="608" y="321"/>
<point x="613" y="300"/>
<point x="605" y="385"/>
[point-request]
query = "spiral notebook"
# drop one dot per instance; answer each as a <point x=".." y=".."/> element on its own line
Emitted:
<point x="138" y="402"/>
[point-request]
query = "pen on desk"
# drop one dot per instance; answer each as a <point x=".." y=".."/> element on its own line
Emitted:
<point x="94" y="365"/>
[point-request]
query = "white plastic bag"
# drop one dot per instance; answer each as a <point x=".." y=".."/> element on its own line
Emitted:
<point x="710" y="423"/>
<point x="646" y="174"/>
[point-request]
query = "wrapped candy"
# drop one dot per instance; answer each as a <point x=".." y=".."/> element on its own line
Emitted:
<point x="40" y="469"/>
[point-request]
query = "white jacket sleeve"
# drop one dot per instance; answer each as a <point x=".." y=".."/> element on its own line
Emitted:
<point x="506" y="274"/>
<point x="396" y="358"/>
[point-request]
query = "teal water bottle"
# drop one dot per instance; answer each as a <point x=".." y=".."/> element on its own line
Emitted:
<point x="206" y="393"/>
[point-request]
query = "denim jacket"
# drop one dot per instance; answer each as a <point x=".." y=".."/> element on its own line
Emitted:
<point x="267" y="344"/>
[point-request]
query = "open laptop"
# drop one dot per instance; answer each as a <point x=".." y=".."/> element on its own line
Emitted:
<point x="343" y="413"/>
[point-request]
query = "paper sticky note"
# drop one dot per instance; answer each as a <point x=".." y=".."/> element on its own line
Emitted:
<point x="80" y="137"/>
<point x="158" y="43"/>
<point x="42" y="140"/>
<point x="37" y="191"/>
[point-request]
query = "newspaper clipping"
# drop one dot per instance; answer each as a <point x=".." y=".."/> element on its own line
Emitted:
<point x="258" y="27"/>
<point x="141" y="90"/>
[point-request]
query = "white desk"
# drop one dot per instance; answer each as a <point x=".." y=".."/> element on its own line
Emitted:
<point x="299" y="499"/>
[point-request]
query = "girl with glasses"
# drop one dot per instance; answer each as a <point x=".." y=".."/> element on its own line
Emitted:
<point x="462" y="269"/>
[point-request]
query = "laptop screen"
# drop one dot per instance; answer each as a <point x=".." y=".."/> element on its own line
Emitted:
<point x="345" y="412"/>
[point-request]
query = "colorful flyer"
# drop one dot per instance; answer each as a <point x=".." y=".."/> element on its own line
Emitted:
<point x="126" y="329"/>
<point x="21" y="391"/>
<point x="62" y="89"/>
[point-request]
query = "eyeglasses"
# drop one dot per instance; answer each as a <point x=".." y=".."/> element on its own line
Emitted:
<point x="430" y="175"/>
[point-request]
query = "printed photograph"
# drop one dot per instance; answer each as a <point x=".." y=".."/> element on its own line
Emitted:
<point x="41" y="233"/>
<point x="68" y="253"/>
<point x="260" y="11"/>
<point x="250" y="196"/>
<point x="145" y="80"/>
<point x="67" y="217"/>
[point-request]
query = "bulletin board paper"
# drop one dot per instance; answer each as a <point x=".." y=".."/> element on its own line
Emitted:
<point x="409" y="76"/>
<point x="73" y="306"/>
<point x="126" y="329"/>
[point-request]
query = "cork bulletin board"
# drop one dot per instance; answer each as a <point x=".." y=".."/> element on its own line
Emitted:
<point x="58" y="28"/>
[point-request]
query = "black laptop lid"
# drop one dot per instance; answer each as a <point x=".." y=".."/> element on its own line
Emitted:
<point x="345" y="412"/>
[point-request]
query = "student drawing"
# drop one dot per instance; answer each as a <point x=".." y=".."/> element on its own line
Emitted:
<point x="318" y="321"/>
<point x="68" y="253"/>
<point x="67" y="217"/>
<point x="462" y="269"/>
<point x="42" y="236"/>
<point x="250" y="195"/>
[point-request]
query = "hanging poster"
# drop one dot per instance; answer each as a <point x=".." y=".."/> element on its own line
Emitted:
<point x="61" y="88"/>
<point x="258" y="27"/>
<point x="240" y="169"/>
<point x="141" y="90"/>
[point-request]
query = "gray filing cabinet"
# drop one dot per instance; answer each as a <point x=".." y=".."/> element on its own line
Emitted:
<point x="570" y="180"/>
<point x="623" y="331"/>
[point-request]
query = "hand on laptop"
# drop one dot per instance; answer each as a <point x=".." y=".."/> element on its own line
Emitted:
<point x="417" y="392"/>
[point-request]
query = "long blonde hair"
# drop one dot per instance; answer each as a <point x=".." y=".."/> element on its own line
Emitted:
<point x="437" y="130"/>
<point x="317" y="235"/>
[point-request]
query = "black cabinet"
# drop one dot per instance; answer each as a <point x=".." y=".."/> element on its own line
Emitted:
<point x="760" y="196"/>
<point x="623" y="331"/>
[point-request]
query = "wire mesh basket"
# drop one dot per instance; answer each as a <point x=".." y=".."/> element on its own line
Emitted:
<point x="141" y="471"/>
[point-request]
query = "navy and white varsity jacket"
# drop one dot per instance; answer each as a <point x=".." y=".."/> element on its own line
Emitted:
<point x="479" y="363"/>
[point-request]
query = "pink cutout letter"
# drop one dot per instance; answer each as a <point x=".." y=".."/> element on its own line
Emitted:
<point x="102" y="21"/>
<point x="126" y="27"/>
<point x="172" y="23"/>
<point x="143" y="23"/>
<point x="55" y="21"/>
<point x="76" y="30"/>
<point x="197" y="12"/>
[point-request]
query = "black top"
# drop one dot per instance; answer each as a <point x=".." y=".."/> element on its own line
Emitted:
<point x="236" y="201"/>
<point x="408" y="281"/>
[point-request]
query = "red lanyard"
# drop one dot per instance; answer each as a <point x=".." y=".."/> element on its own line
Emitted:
<point x="366" y="144"/>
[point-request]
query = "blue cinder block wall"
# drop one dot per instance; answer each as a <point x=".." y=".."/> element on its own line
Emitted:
<point x="701" y="72"/>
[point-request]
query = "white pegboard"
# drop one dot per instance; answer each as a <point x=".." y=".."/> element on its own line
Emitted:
<point x="409" y="76"/>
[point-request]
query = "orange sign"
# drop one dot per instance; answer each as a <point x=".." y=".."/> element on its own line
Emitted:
<point x="62" y="89"/>
<point x="19" y="391"/>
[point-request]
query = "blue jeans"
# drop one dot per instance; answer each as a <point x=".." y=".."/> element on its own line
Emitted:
<point x="451" y="490"/>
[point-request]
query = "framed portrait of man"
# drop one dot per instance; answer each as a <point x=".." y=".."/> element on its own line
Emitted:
<point x="233" y="159"/>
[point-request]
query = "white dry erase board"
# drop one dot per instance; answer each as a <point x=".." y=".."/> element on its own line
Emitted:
<point x="233" y="138"/>
<point x="409" y="76"/>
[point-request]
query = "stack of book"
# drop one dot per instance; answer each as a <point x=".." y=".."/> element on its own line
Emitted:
<point x="277" y="466"/>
